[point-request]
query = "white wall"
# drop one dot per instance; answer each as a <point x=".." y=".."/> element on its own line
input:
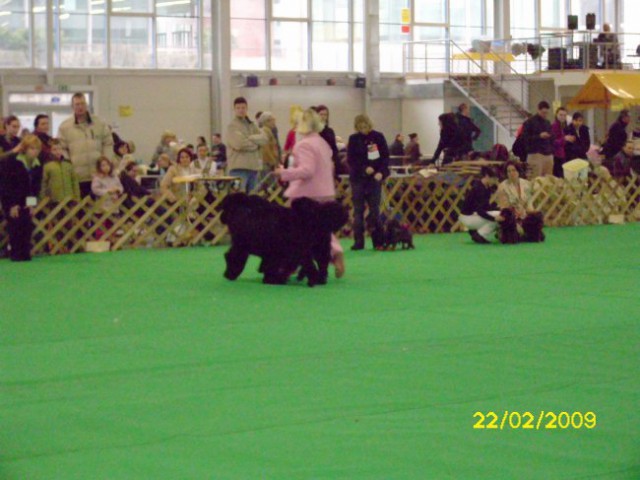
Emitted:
<point x="344" y="104"/>
<point x="421" y="116"/>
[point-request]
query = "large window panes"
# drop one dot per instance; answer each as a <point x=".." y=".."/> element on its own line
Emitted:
<point x="248" y="35"/>
<point x="582" y="7"/>
<point x="290" y="8"/>
<point x="391" y="35"/>
<point x="177" y="8"/>
<point x="330" y="46"/>
<point x="553" y="14"/>
<point x="82" y="39"/>
<point x="432" y="11"/>
<point x="467" y="21"/>
<point x="177" y="42"/>
<point x="131" y="6"/>
<point x="289" y="46"/>
<point x="15" y="49"/>
<point x="207" y="36"/>
<point x="131" y="42"/>
<point x="523" y="19"/>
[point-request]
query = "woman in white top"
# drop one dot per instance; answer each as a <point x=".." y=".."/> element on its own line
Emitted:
<point x="515" y="192"/>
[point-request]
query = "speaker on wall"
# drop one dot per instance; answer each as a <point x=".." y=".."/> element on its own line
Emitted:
<point x="572" y="22"/>
<point x="591" y="21"/>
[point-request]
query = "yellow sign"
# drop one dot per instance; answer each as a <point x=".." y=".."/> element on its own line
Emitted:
<point x="405" y="15"/>
<point x="125" y="110"/>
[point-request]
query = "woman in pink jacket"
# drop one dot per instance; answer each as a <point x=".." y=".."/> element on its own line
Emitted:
<point x="312" y="173"/>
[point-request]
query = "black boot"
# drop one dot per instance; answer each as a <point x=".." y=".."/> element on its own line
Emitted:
<point x="476" y="237"/>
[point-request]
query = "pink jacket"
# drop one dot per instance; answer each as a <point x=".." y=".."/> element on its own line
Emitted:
<point x="312" y="172"/>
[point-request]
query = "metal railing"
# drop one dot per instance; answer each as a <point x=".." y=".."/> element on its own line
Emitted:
<point x="560" y="51"/>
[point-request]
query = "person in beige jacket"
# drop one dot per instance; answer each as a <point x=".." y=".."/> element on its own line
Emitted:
<point x="84" y="138"/>
<point x="244" y="139"/>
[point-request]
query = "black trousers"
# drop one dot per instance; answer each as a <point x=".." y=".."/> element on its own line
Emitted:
<point x="557" y="167"/>
<point x="85" y="189"/>
<point x="20" y="230"/>
<point x="367" y="191"/>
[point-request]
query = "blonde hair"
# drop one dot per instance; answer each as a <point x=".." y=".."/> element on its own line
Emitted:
<point x="31" y="141"/>
<point x="295" y="112"/>
<point x="309" y="122"/>
<point x="360" y="119"/>
<point x="166" y="135"/>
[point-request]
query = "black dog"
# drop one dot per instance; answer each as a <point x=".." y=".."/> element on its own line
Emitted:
<point x="508" y="230"/>
<point x="532" y="226"/>
<point x="284" y="238"/>
<point x="395" y="233"/>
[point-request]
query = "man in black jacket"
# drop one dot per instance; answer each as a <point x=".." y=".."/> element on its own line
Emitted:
<point x="477" y="214"/>
<point x="617" y="136"/>
<point x="539" y="142"/>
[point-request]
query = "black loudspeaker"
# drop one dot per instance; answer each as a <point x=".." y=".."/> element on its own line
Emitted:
<point x="572" y="22"/>
<point x="361" y="82"/>
<point x="591" y="21"/>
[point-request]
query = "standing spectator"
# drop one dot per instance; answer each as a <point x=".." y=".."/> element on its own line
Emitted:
<point x="397" y="147"/>
<point x="538" y="140"/>
<point x="311" y="174"/>
<point x="295" y="112"/>
<point x="412" y="151"/>
<point x="84" y="138"/>
<point x="201" y="141"/>
<point x="450" y="140"/>
<point x="617" y="136"/>
<point x="329" y="136"/>
<point x="105" y="183"/>
<point x="476" y="213"/>
<point x="168" y="140"/>
<point x="560" y="138"/>
<point x="218" y="151"/>
<point x="269" y="151"/>
<point x="368" y="158"/>
<point x="579" y="146"/>
<point x="244" y="139"/>
<point x="59" y="179"/>
<point x="469" y="131"/>
<point x="19" y="188"/>
<point x="10" y="140"/>
<point x="41" y="130"/>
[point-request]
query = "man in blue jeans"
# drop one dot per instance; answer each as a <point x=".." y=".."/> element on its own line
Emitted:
<point x="244" y="139"/>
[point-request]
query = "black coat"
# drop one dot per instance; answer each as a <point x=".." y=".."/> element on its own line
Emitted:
<point x="532" y="130"/>
<point x="451" y="141"/>
<point x="469" y="132"/>
<point x="616" y="138"/>
<point x="329" y="136"/>
<point x="358" y="151"/>
<point x="477" y="201"/>
<point x="580" y="147"/>
<point x="17" y="183"/>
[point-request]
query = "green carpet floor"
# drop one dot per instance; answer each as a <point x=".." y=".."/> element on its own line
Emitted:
<point x="149" y="365"/>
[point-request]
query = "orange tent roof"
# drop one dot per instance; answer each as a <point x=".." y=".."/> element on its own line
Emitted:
<point x="604" y="89"/>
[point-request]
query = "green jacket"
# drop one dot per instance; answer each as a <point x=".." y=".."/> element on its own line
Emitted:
<point x="59" y="181"/>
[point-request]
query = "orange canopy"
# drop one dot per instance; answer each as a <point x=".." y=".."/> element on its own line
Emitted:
<point x="607" y="89"/>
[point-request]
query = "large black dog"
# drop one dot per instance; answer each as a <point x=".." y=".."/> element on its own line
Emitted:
<point x="284" y="238"/>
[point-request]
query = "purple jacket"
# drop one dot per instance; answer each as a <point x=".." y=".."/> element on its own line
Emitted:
<point x="558" y="139"/>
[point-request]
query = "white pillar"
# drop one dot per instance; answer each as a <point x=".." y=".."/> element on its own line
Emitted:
<point x="221" y="100"/>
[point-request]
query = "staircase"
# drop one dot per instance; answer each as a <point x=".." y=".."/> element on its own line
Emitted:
<point x="499" y="105"/>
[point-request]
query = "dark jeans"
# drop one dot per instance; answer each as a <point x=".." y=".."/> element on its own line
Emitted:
<point x="20" y="230"/>
<point x="367" y="191"/>
<point x="557" y="167"/>
<point x="85" y="189"/>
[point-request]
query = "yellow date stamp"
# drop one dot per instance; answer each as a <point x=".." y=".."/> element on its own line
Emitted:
<point x="541" y="420"/>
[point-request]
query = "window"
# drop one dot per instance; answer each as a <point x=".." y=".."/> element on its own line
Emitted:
<point x="294" y="35"/>
<point x="462" y="21"/>
<point x="582" y="7"/>
<point x="523" y="19"/>
<point x="553" y="14"/>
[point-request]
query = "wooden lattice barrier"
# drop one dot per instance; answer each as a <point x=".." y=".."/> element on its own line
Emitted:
<point x="427" y="205"/>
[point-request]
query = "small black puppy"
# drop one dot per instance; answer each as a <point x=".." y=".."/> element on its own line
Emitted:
<point x="508" y="232"/>
<point x="395" y="233"/>
<point x="532" y="226"/>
